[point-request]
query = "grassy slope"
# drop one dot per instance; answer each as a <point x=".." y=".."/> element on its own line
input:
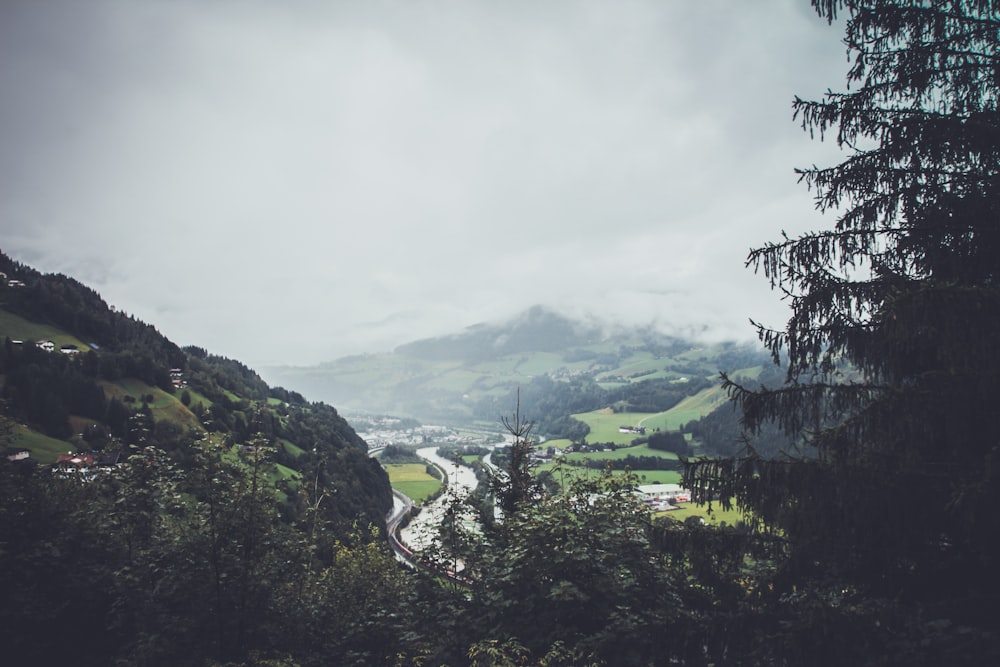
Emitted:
<point x="18" y="328"/>
<point x="43" y="448"/>
<point x="164" y="405"/>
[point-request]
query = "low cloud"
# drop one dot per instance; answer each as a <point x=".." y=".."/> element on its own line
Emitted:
<point x="291" y="183"/>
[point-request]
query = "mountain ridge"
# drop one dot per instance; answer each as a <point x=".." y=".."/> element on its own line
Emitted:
<point x="77" y="375"/>
<point x="452" y="377"/>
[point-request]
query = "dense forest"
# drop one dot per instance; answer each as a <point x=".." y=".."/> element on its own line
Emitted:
<point x="869" y="524"/>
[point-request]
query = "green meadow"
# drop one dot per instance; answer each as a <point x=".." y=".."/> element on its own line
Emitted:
<point x="16" y="327"/>
<point x="565" y="473"/>
<point x="43" y="448"/>
<point x="412" y="480"/>
<point x="604" y="423"/>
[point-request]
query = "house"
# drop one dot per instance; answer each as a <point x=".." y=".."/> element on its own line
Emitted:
<point x="656" y="493"/>
<point x="16" y="453"/>
<point x="46" y="345"/>
<point x="76" y="460"/>
<point x="69" y="349"/>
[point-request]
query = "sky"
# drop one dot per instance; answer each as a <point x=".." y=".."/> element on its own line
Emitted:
<point x="291" y="182"/>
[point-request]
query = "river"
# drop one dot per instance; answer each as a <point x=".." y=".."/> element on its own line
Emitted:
<point x="461" y="479"/>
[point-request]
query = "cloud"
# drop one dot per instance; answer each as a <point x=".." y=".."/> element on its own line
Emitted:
<point x="287" y="183"/>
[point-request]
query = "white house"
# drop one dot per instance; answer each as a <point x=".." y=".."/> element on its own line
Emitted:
<point x="654" y="493"/>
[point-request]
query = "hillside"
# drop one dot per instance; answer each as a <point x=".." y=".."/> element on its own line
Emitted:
<point x="473" y="376"/>
<point x="77" y="376"/>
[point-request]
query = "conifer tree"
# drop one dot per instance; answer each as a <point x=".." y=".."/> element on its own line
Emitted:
<point x="893" y="372"/>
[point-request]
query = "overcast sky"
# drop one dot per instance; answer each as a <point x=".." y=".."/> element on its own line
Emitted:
<point x="290" y="182"/>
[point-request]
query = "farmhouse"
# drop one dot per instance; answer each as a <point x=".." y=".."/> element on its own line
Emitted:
<point x="655" y="493"/>
<point x="78" y="460"/>
<point x="16" y="453"/>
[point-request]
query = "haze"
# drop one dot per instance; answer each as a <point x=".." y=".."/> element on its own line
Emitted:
<point x="287" y="183"/>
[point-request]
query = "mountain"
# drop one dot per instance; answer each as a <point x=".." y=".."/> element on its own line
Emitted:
<point x="473" y="375"/>
<point x="78" y="376"/>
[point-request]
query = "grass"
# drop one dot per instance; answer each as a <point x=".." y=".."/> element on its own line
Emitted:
<point x="292" y="448"/>
<point x="43" y="448"/>
<point x="645" y="476"/>
<point x="18" y="328"/>
<point x="164" y="405"/>
<point x="690" y="409"/>
<point x="619" y="454"/>
<point x="604" y="425"/>
<point x="284" y="472"/>
<point x="412" y="480"/>
<point x="716" y="517"/>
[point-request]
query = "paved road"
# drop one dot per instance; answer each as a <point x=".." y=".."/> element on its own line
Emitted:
<point x="401" y="506"/>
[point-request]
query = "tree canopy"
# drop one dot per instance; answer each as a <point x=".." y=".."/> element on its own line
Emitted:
<point x="892" y="367"/>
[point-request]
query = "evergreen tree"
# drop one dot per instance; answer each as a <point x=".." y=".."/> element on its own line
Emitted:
<point x="893" y="368"/>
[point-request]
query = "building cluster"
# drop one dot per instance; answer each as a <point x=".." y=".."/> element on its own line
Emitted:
<point x="177" y="378"/>
<point x="662" y="497"/>
<point x="10" y="282"/>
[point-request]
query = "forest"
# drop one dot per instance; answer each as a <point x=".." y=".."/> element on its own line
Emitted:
<point x="869" y="536"/>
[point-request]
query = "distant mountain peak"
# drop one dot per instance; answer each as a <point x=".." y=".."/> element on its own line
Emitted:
<point x="537" y="329"/>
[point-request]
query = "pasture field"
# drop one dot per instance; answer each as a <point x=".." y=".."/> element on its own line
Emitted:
<point x="18" y="328"/>
<point x="619" y="454"/>
<point x="604" y="425"/>
<point x="716" y="517"/>
<point x="412" y="480"/>
<point x="164" y="405"/>
<point x="284" y="472"/>
<point x="291" y="448"/>
<point x="43" y="448"/>
<point x="690" y="409"/>
<point x="640" y="366"/>
<point x="564" y="473"/>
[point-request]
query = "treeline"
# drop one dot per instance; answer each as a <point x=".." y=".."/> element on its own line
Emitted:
<point x="64" y="302"/>
<point x="49" y="391"/>
<point x="721" y="433"/>
<point x="631" y="462"/>
<point x="152" y="564"/>
<point x="553" y="401"/>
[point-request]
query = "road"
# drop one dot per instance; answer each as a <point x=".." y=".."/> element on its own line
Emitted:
<point x="401" y="506"/>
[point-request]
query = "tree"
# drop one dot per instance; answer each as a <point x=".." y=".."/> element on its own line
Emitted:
<point x="576" y="570"/>
<point x="515" y="484"/>
<point x="892" y="366"/>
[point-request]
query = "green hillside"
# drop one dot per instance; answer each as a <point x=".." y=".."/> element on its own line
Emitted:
<point x="472" y="377"/>
<point x="127" y="387"/>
